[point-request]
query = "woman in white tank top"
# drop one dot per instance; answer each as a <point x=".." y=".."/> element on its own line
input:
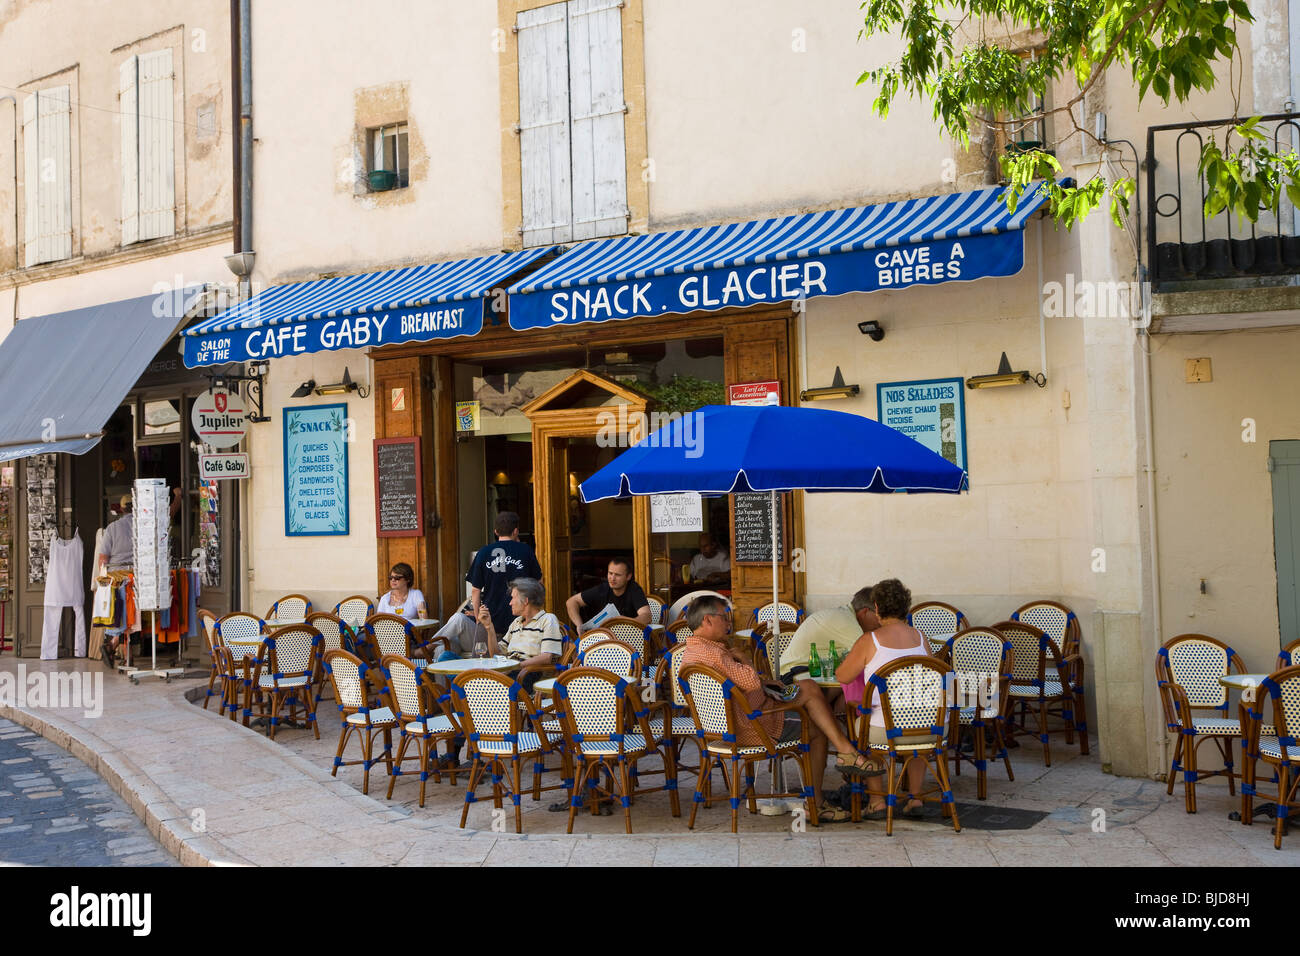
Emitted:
<point x="894" y="638"/>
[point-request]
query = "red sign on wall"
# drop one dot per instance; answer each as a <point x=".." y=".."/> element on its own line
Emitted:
<point x="754" y="393"/>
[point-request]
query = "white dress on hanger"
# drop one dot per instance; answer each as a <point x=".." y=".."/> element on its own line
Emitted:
<point x="63" y="588"/>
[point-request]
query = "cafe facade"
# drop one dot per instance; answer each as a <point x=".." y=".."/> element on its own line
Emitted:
<point x="1088" y="480"/>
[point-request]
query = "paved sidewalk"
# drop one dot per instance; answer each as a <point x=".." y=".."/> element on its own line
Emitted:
<point x="214" y="792"/>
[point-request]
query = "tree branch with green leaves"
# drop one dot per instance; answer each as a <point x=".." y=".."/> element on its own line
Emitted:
<point x="970" y="73"/>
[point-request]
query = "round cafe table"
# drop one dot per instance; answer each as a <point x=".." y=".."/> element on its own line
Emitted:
<point x="274" y="622"/>
<point x="473" y="664"/>
<point x="1242" y="681"/>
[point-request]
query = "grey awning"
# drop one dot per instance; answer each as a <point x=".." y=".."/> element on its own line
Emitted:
<point x="62" y="376"/>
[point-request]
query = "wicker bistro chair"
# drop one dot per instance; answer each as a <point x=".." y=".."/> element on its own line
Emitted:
<point x="656" y="609"/>
<point x="1056" y="620"/>
<point x="354" y="610"/>
<point x="282" y="675"/>
<point x="718" y="708"/>
<point x="1288" y="656"/>
<point x="1278" y="749"/>
<point x="605" y="728"/>
<point x="231" y="675"/>
<point x="1032" y="683"/>
<point x="632" y="633"/>
<point x="761" y="649"/>
<point x="981" y="660"/>
<point x="209" y="622"/>
<point x="392" y="634"/>
<point x="335" y="636"/>
<point x="781" y="611"/>
<point x="291" y="605"/>
<point x="421" y="707"/>
<point x="613" y="656"/>
<point x="348" y="674"/>
<point x="677" y="633"/>
<point x="1188" y="668"/>
<point x="239" y="626"/>
<point x="486" y="705"/>
<point x="669" y="704"/>
<point x="934" y="619"/>
<point x="913" y="695"/>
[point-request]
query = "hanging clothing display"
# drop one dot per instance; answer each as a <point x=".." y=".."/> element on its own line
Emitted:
<point x="63" y="589"/>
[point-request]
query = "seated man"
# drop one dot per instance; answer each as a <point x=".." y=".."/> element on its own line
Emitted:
<point x="843" y="625"/>
<point x="619" y="590"/>
<point x="711" y="565"/>
<point x="533" y="638"/>
<point x="710" y="623"/>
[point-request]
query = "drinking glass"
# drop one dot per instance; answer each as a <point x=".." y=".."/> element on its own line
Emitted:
<point x="480" y="649"/>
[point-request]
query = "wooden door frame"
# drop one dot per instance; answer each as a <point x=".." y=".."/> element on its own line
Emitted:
<point x="551" y="424"/>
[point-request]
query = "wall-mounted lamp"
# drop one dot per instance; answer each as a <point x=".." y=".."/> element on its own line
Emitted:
<point x="305" y="389"/>
<point x="837" y="389"/>
<point x="343" y="387"/>
<point x="871" y="328"/>
<point x="1004" y="376"/>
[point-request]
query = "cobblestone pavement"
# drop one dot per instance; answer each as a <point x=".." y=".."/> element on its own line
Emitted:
<point x="56" y="811"/>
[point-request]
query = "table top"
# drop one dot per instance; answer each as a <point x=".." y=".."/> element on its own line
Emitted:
<point x="546" y="686"/>
<point x="939" y="639"/>
<point x="473" y="664"/>
<point x="1242" y="681"/>
<point x="284" y="621"/>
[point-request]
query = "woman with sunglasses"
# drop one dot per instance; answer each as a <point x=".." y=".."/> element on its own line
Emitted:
<point x="402" y="599"/>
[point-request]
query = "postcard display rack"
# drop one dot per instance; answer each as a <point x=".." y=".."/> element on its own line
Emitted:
<point x="153" y="584"/>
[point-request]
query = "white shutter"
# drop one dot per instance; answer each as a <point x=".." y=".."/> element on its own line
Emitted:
<point x="53" y="135"/>
<point x="544" y="126"/>
<point x="596" y="93"/>
<point x="157" y="146"/>
<point x="31" y="181"/>
<point x="128" y="110"/>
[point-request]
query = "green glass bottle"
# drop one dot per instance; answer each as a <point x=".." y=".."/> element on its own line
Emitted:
<point x="814" y="663"/>
<point x="833" y="663"/>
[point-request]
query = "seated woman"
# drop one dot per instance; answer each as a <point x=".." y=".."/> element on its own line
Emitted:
<point x="893" y="639"/>
<point x="402" y="599"/>
<point x="710" y="621"/>
<point x="533" y="638"/>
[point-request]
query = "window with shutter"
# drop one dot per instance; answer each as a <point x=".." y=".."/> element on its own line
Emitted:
<point x="596" y="110"/>
<point x="148" y="147"/>
<point x="573" y="162"/>
<point x="544" y="125"/>
<point x="47" y="172"/>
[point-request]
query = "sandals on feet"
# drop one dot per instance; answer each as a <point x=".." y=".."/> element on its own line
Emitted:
<point x="874" y="814"/>
<point x="914" y="812"/>
<point x="860" y="766"/>
<point x="826" y="813"/>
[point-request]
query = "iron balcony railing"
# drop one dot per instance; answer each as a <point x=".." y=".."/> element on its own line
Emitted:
<point x="1188" y="250"/>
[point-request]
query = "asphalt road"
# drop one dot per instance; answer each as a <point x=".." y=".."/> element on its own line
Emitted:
<point x="56" y="811"/>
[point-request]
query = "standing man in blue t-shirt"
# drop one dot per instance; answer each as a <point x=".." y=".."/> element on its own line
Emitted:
<point x="496" y="565"/>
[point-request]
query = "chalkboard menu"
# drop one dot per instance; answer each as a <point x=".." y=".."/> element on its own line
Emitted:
<point x="399" y="504"/>
<point x="752" y="519"/>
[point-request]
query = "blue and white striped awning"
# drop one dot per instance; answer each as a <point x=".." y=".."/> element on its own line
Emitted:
<point x="442" y="300"/>
<point x="956" y="236"/>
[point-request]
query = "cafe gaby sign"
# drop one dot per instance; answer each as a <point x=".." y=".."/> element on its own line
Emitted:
<point x="218" y="418"/>
<point x="972" y="257"/>
<point x="437" y="321"/>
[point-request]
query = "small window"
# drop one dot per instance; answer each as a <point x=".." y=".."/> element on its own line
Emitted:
<point x="389" y="167"/>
